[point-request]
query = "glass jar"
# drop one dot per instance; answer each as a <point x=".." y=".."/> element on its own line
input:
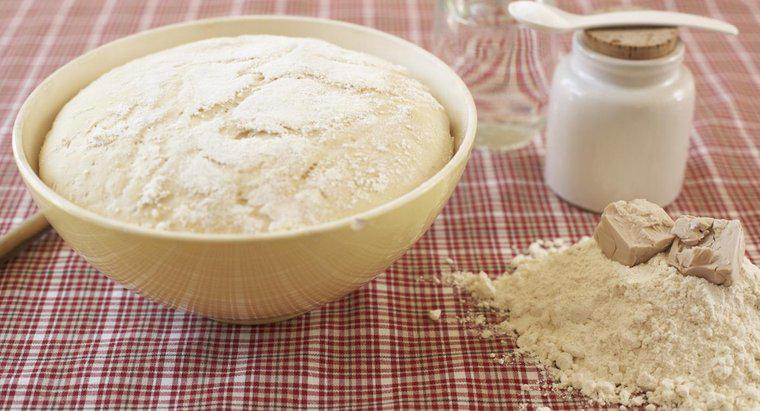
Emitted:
<point x="506" y="67"/>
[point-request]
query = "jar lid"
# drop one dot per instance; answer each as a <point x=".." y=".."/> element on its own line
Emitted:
<point x="632" y="43"/>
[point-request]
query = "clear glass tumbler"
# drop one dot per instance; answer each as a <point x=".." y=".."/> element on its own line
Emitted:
<point x="507" y="68"/>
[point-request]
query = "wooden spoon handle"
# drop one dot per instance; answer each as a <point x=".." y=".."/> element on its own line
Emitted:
<point x="18" y="237"/>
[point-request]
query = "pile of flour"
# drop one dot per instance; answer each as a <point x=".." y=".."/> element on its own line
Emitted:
<point x="630" y="335"/>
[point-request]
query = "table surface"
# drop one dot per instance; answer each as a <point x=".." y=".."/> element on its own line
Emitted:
<point x="70" y="337"/>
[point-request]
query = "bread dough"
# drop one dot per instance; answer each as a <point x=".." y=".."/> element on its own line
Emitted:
<point x="247" y="134"/>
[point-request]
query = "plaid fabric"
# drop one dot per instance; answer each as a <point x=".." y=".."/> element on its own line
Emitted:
<point x="69" y="337"/>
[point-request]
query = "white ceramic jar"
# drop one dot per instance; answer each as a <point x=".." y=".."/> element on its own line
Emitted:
<point x="618" y="129"/>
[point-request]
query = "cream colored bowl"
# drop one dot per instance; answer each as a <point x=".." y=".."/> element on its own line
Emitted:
<point x="246" y="278"/>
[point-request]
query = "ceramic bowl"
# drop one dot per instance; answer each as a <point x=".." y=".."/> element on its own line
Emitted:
<point x="243" y="278"/>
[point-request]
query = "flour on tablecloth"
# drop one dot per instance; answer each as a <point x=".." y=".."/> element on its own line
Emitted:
<point x="629" y="335"/>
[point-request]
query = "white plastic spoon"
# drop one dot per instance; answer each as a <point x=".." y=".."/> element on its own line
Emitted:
<point x="544" y="17"/>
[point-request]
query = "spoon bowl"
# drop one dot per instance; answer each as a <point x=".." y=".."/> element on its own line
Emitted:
<point x="540" y="16"/>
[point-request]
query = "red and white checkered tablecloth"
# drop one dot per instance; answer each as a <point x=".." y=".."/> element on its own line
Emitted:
<point x="70" y="337"/>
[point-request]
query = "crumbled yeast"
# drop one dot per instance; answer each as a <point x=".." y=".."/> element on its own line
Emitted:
<point x="434" y="315"/>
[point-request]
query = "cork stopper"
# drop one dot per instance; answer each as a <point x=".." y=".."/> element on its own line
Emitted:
<point x="632" y="43"/>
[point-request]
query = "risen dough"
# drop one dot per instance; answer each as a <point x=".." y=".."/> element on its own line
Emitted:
<point x="246" y="134"/>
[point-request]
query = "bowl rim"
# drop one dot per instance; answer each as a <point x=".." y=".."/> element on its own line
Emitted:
<point x="31" y="178"/>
